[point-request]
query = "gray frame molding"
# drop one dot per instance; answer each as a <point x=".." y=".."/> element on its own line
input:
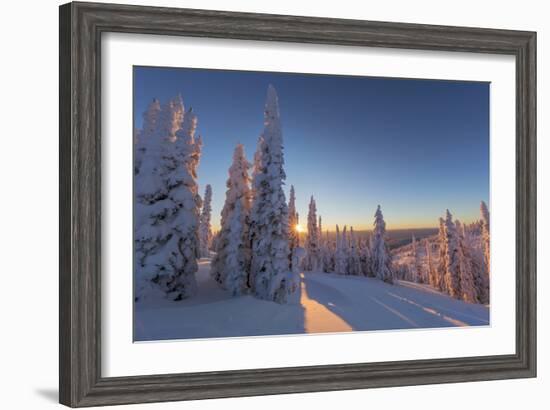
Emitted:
<point x="81" y="26"/>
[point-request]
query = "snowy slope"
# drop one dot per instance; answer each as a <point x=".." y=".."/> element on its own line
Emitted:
<point x="328" y="303"/>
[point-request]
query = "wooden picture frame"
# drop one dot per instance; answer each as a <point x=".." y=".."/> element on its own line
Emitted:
<point x="81" y="27"/>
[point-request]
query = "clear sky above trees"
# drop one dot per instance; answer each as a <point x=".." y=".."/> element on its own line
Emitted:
<point x="416" y="147"/>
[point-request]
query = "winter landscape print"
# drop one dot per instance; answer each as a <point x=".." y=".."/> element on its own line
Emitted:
<point x="284" y="203"/>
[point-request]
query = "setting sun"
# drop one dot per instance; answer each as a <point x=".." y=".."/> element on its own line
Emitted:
<point x="299" y="228"/>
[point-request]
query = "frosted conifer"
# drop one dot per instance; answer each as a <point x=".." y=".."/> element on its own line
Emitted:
<point x="205" y="228"/>
<point x="354" y="263"/>
<point x="311" y="261"/>
<point x="381" y="257"/>
<point x="271" y="278"/>
<point x="167" y="209"/>
<point x="232" y="262"/>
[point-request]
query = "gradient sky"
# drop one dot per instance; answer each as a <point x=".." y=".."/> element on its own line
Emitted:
<point x="416" y="147"/>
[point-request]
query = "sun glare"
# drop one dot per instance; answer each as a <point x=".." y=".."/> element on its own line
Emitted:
<point x="298" y="228"/>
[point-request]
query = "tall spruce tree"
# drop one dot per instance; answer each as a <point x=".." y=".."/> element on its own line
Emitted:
<point x="340" y="254"/>
<point x="354" y="263"/>
<point x="293" y="234"/>
<point x="485" y="274"/>
<point x="231" y="264"/>
<point x="270" y="267"/>
<point x="167" y="209"/>
<point x="452" y="258"/>
<point x="441" y="266"/>
<point x="468" y="291"/>
<point x="205" y="227"/>
<point x="146" y="136"/>
<point x="311" y="261"/>
<point x="432" y="272"/>
<point x="381" y="257"/>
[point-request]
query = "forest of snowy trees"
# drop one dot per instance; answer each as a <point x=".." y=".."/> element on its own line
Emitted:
<point x="456" y="261"/>
<point x="258" y="249"/>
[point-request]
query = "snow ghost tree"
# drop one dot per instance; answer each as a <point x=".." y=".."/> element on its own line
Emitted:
<point x="486" y="240"/>
<point x="327" y="254"/>
<point x="468" y="291"/>
<point x="146" y="136"/>
<point x="354" y="263"/>
<point x="270" y="275"/>
<point x="205" y="229"/>
<point x="432" y="272"/>
<point x="380" y="255"/>
<point x="167" y="208"/>
<point x="341" y="253"/>
<point x="320" y="231"/>
<point x="441" y="267"/>
<point x="365" y="257"/>
<point x="237" y="253"/>
<point x="452" y="258"/>
<point x="418" y="269"/>
<point x="231" y="264"/>
<point x="311" y="261"/>
<point x="293" y="238"/>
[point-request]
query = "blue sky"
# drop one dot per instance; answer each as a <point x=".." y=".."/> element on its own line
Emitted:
<point x="416" y="147"/>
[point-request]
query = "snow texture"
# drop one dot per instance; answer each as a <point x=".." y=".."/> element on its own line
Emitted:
<point x="324" y="303"/>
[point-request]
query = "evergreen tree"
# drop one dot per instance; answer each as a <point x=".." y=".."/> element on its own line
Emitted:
<point x="237" y="253"/>
<point x="441" y="267"/>
<point x="205" y="228"/>
<point x="328" y="254"/>
<point x="311" y="261"/>
<point x="146" y="136"/>
<point x="227" y="267"/>
<point x="354" y="264"/>
<point x="340" y="255"/>
<point x="167" y="209"/>
<point x="452" y="258"/>
<point x="432" y="272"/>
<point x="320" y="231"/>
<point x="468" y="291"/>
<point x="294" y="235"/>
<point x="418" y="268"/>
<point x="365" y="258"/>
<point x="381" y="257"/>
<point x="485" y="274"/>
<point x="269" y="235"/>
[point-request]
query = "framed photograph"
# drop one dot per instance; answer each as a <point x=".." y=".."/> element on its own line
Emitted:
<point x="261" y="204"/>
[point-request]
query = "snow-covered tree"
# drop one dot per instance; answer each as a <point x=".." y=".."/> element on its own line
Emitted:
<point x="327" y="254"/>
<point x="365" y="257"/>
<point x="354" y="262"/>
<point x="146" y="136"/>
<point x="205" y="228"/>
<point x="417" y="268"/>
<point x="320" y="231"/>
<point x="341" y="254"/>
<point x="468" y="290"/>
<point x="452" y="258"/>
<point x="432" y="272"/>
<point x="237" y="253"/>
<point x="294" y="235"/>
<point x="380" y="254"/>
<point x="486" y="240"/>
<point x="441" y="267"/>
<point x="270" y="277"/>
<point x="232" y="261"/>
<point x="167" y="208"/>
<point x="312" y="259"/>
